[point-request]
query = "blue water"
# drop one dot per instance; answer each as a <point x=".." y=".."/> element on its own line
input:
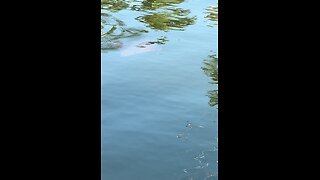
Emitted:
<point x="156" y="122"/>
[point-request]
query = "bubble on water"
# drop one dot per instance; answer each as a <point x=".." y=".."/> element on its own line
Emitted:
<point x="189" y="125"/>
<point x="179" y="136"/>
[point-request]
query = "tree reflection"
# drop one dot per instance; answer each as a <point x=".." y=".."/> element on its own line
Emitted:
<point x="114" y="5"/>
<point x="113" y="29"/>
<point x="212" y="15"/>
<point x="170" y="20"/>
<point x="211" y="70"/>
<point x="156" y="4"/>
<point x="158" y="14"/>
<point x="164" y="15"/>
<point x="211" y="63"/>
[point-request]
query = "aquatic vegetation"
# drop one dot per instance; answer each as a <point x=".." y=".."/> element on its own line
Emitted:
<point x="211" y="70"/>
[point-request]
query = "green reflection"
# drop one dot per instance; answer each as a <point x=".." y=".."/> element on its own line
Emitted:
<point x="212" y="15"/>
<point x="211" y="63"/>
<point x="114" y="5"/>
<point x="211" y="70"/>
<point x="171" y="19"/>
<point x="158" y="14"/>
<point x="164" y="15"/>
<point x="113" y="29"/>
<point x="156" y="4"/>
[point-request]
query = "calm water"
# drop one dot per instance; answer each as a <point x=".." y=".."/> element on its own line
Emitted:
<point x="156" y="120"/>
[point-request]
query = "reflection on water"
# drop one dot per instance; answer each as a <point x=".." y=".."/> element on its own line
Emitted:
<point x="113" y="29"/>
<point x="163" y="15"/>
<point x="212" y="15"/>
<point x="211" y="70"/>
<point x="170" y="19"/>
<point x="114" y="5"/>
<point x="159" y="15"/>
<point x="156" y="122"/>
<point x="156" y="4"/>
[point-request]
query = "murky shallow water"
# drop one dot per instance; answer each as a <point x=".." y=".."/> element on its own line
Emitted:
<point x="156" y="121"/>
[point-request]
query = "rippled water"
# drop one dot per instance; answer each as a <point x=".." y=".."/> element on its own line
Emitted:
<point x="158" y="120"/>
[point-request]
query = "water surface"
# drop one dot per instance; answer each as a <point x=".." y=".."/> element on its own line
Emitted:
<point x="157" y="122"/>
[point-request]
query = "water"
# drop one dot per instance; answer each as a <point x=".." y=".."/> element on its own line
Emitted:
<point x="156" y="120"/>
